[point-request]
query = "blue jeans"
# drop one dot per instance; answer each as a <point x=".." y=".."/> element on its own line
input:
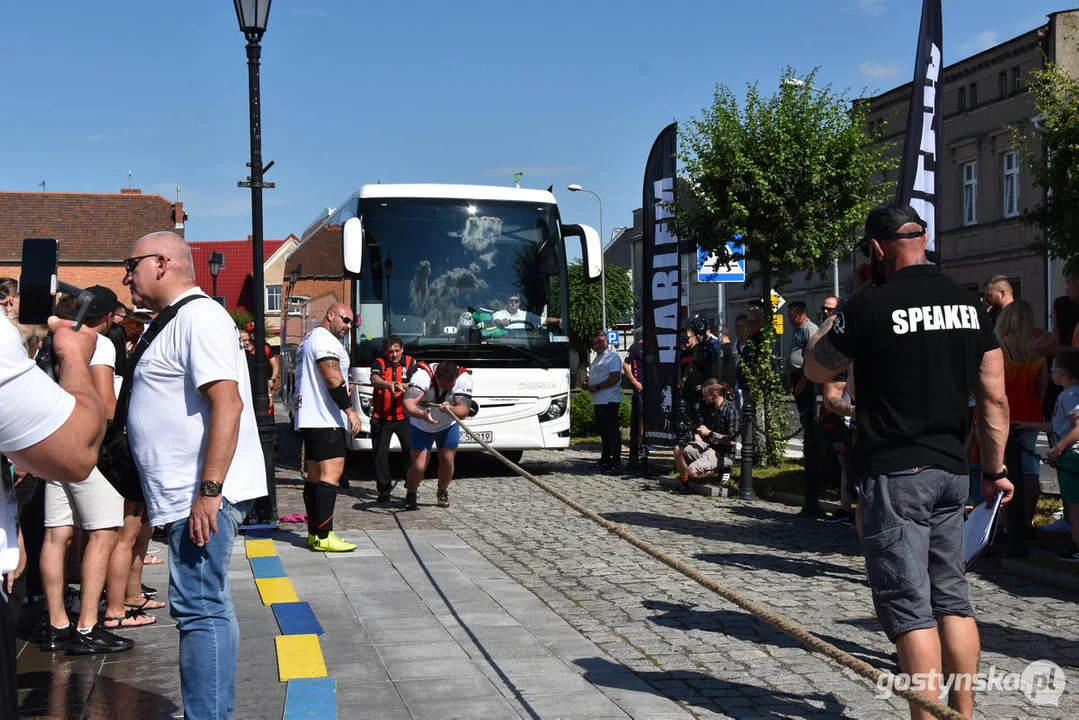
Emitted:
<point x="201" y="605"/>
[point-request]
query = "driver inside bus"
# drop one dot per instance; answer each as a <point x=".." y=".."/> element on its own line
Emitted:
<point x="513" y="317"/>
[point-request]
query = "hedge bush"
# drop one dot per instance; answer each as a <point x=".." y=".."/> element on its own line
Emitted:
<point x="582" y="420"/>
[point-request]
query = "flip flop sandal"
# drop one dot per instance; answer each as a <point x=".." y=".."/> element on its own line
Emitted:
<point x="151" y="560"/>
<point x="147" y="604"/>
<point x="133" y="618"/>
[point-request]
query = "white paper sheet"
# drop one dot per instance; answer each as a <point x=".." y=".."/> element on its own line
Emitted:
<point x="978" y="529"/>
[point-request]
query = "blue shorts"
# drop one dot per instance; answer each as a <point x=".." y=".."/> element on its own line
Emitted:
<point x="447" y="439"/>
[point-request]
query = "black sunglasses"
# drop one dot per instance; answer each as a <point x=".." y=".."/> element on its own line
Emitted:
<point x="345" y="319"/>
<point x="133" y="262"/>
<point x="825" y="308"/>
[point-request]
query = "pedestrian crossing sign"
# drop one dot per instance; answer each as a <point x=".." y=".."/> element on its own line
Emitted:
<point x="711" y="269"/>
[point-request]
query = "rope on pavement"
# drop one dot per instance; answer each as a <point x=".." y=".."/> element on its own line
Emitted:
<point x="777" y="621"/>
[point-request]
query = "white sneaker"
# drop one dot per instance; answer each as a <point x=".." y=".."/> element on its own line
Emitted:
<point x="1060" y="525"/>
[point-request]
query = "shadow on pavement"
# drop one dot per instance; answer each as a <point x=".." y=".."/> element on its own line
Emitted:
<point x="743" y="626"/>
<point x="803" y="567"/>
<point x="737" y="700"/>
<point x="88" y="695"/>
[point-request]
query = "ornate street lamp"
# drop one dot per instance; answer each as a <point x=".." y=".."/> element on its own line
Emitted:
<point x="217" y="261"/>
<point x="252" y="16"/>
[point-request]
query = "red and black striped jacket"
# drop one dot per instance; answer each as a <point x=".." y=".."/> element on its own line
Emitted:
<point x="387" y="405"/>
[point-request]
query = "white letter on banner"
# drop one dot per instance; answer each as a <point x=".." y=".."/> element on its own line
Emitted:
<point x="665" y="260"/>
<point x="663" y="235"/>
<point x="664" y="192"/>
<point x="667" y="343"/>
<point x="665" y="287"/>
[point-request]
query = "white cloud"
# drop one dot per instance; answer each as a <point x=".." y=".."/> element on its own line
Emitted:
<point x="871" y="7"/>
<point x="981" y="41"/>
<point x="878" y="71"/>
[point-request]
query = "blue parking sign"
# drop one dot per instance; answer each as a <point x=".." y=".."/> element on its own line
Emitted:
<point x="612" y="337"/>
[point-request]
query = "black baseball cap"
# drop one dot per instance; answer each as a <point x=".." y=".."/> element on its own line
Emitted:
<point x="884" y="221"/>
<point x="104" y="301"/>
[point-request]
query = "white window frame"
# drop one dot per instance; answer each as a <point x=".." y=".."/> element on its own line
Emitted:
<point x="970" y="193"/>
<point x="1011" y="183"/>
<point x="280" y="297"/>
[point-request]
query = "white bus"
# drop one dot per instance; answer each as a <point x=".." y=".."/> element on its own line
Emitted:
<point x="440" y="266"/>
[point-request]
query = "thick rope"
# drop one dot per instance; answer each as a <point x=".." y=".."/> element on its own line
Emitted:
<point x="777" y="621"/>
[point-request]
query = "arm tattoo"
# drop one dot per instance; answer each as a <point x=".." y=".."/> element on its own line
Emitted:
<point x="828" y="357"/>
<point x="335" y="362"/>
<point x="840" y="407"/>
<point x="413" y="393"/>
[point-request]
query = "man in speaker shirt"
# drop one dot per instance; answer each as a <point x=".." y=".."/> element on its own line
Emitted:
<point x="921" y="345"/>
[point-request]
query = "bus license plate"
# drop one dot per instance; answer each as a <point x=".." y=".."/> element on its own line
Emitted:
<point x="485" y="435"/>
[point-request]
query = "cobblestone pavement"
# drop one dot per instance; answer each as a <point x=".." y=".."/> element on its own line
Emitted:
<point x="711" y="657"/>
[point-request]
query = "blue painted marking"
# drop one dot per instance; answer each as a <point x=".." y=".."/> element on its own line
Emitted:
<point x="258" y="530"/>
<point x="311" y="698"/>
<point x="296" y="618"/>
<point x="267" y="567"/>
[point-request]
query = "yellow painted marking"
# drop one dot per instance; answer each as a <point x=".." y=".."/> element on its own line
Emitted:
<point x="299" y="656"/>
<point x="276" y="590"/>
<point x="260" y="548"/>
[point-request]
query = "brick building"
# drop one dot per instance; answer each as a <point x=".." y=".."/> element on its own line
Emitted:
<point x="235" y="279"/>
<point x="95" y="230"/>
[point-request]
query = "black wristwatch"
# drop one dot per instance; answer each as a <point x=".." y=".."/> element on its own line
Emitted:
<point x="209" y="488"/>
<point x="993" y="477"/>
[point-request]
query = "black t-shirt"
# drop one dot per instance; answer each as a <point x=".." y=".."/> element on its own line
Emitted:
<point x="635" y="358"/>
<point x="917" y="344"/>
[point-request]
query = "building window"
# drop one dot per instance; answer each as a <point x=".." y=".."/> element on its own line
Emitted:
<point x="1011" y="184"/>
<point x="1015" y="79"/>
<point x="962" y="98"/>
<point x="1002" y="84"/>
<point x="970" y="193"/>
<point x="273" y="298"/>
<point x="973" y="92"/>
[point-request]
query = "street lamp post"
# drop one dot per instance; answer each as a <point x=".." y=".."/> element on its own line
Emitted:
<point x="217" y="261"/>
<point x="252" y="16"/>
<point x="603" y="250"/>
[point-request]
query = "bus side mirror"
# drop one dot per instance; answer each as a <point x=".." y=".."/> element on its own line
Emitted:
<point x="591" y="248"/>
<point x="352" y="242"/>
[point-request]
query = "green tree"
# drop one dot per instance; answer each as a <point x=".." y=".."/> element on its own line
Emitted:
<point x="794" y="173"/>
<point x="585" y="314"/>
<point x="1052" y="153"/>
<point x="241" y="317"/>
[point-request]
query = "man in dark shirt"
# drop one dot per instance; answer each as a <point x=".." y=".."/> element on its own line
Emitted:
<point x="390" y="372"/>
<point x="921" y="345"/>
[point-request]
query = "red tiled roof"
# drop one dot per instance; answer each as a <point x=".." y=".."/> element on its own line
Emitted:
<point x="234" y="280"/>
<point x="91" y="227"/>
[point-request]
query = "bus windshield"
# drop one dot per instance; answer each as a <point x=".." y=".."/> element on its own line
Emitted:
<point x="464" y="278"/>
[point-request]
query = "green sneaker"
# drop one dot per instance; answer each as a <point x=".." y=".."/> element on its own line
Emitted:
<point x="311" y="540"/>
<point x="332" y="543"/>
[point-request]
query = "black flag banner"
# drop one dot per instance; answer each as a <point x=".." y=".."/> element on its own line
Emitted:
<point x="661" y="291"/>
<point x="919" y="176"/>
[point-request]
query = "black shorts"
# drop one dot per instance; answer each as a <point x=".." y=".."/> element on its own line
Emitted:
<point x="324" y="443"/>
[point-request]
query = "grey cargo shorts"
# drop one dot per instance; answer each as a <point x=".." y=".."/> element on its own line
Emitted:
<point x="912" y="524"/>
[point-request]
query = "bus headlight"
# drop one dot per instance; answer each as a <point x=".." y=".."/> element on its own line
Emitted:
<point x="556" y="410"/>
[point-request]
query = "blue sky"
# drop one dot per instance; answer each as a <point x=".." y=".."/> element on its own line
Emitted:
<point x="356" y="92"/>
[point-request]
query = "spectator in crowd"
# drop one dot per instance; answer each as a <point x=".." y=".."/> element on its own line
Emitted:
<point x="837" y="411"/>
<point x="390" y="373"/>
<point x="273" y="359"/>
<point x="55" y="436"/>
<point x="1065" y="434"/>
<point x="323" y="414"/>
<point x="193" y="437"/>
<point x="9" y="297"/>
<point x="805" y="399"/>
<point x="694" y="371"/>
<point x="433" y="394"/>
<point x="633" y="370"/>
<point x="829" y="306"/>
<point x="1025" y="381"/>
<point x="709" y="351"/>
<point x="92" y="505"/>
<point x="914" y="378"/>
<point x="604" y="384"/>
<point x="712" y="447"/>
<point x="998" y="295"/>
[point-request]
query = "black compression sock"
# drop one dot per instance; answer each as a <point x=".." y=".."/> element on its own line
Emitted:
<point x="325" y="500"/>
<point x="309" y="505"/>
